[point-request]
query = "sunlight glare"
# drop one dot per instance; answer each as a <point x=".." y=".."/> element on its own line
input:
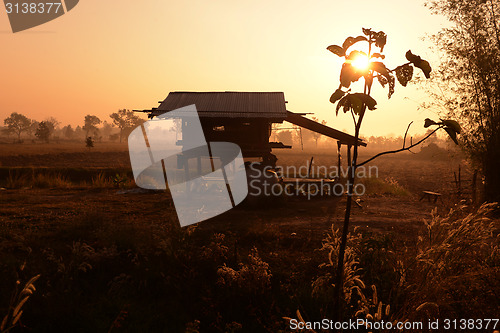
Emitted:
<point x="360" y="62"/>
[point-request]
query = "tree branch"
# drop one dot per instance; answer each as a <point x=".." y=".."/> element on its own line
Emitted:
<point x="404" y="139"/>
<point x="400" y="150"/>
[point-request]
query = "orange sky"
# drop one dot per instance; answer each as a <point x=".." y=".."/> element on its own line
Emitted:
<point x="106" y="55"/>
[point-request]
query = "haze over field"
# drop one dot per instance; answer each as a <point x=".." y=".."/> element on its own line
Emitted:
<point x="103" y="56"/>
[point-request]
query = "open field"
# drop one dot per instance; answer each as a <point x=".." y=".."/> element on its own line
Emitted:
<point x="112" y="258"/>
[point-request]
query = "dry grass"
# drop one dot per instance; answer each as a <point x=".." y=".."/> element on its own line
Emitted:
<point x="18" y="299"/>
<point x="452" y="274"/>
<point x="386" y="186"/>
<point x="60" y="178"/>
<point x="17" y="180"/>
<point x="50" y="181"/>
<point x="457" y="264"/>
<point x="8" y="149"/>
<point x="101" y="181"/>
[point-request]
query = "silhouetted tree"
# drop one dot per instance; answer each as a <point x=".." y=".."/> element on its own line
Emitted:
<point x="125" y="120"/>
<point x="106" y="129"/>
<point x="468" y="80"/>
<point x="91" y="123"/>
<point x="51" y="124"/>
<point x="43" y="131"/>
<point x="79" y="132"/>
<point x="32" y="128"/>
<point x="17" y="123"/>
<point x="68" y="131"/>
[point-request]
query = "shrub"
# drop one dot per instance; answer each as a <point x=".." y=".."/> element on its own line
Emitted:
<point x="387" y="186"/>
<point x="253" y="277"/>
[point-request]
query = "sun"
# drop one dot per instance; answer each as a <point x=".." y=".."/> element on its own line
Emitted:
<point x="360" y="61"/>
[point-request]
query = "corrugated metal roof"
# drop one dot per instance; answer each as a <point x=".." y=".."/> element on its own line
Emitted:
<point x="233" y="104"/>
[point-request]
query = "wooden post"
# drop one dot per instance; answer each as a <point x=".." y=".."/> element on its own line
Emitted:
<point x="301" y="143"/>
<point x="349" y="161"/>
<point x="310" y="167"/>
<point x="339" y="145"/>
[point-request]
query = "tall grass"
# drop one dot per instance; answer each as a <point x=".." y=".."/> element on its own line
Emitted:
<point x="101" y="181"/>
<point x="18" y="299"/>
<point x="451" y="271"/>
<point x="50" y="181"/>
<point x="457" y="264"/>
<point x="17" y="180"/>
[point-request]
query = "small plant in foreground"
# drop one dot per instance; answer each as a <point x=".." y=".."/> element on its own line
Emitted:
<point x="119" y="180"/>
<point x="359" y="64"/>
<point x="18" y="299"/>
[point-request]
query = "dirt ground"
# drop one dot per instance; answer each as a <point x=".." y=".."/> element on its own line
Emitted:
<point x="100" y="248"/>
<point x="378" y="211"/>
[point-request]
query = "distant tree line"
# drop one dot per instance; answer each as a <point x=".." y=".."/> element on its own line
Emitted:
<point x="121" y="124"/>
<point x="290" y="135"/>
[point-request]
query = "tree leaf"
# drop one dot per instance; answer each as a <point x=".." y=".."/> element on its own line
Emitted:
<point x="455" y="126"/>
<point x="347" y="105"/>
<point x="351" y="41"/>
<point x="382" y="80"/>
<point x="338" y="94"/>
<point x="404" y="74"/>
<point x="387" y="76"/>
<point x="356" y="104"/>
<point x="425" y="67"/>
<point x="420" y="63"/>
<point x="348" y="74"/>
<point x="392" y="85"/>
<point x="366" y="99"/>
<point x="412" y="57"/>
<point x="380" y="39"/>
<point x="453" y="135"/>
<point x="340" y="104"/>
<point x="360" y="39"/>
<point x="429" y="122"/>
<point x="335" y="49"/>
<point x="378" y="55"/>
<point x="367" y="31"/>
<point x="354" y="54"/>
<point x="380" y="68"/>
